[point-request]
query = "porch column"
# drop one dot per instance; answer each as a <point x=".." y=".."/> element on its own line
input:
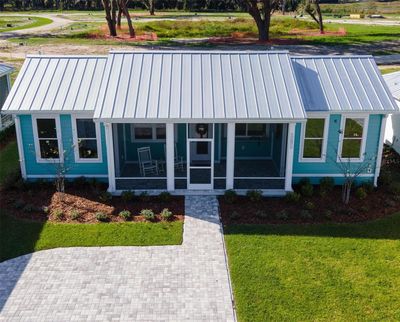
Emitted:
<point x="230" y="155"/>
<point x="20" y="146"/>
<point x="378" y="161"/>
<point x="170" y="159"/>
<point x="289" y="157"/>
<point x="110" y="156"/>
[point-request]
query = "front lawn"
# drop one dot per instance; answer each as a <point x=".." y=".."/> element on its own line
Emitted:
<point x="326" y="272"/>
<point x="18" y="237"/>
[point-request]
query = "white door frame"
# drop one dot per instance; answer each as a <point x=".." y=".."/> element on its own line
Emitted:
<point x="200" y="186"/>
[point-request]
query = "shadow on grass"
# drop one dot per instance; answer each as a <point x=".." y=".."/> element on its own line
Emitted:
<point x="386" y="228"/>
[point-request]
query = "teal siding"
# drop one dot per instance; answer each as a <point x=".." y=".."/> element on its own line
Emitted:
<point x="84" y="169"/>
<point x="330" y="166"/>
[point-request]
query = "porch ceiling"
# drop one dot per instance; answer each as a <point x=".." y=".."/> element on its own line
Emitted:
<point x="193" y="85"/>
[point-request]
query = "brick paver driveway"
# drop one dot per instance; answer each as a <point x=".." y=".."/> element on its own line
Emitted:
<point x="166" y="283"/>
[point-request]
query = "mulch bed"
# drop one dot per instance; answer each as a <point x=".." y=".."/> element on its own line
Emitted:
<point x="378" y="204"/>
<point x="40" y="204"/>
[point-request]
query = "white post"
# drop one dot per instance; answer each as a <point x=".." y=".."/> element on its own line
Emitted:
<point x="289" y="157"/>
<point x="110" y="157"/>
<point x="230" y="155"/>
<point x="380" y="150"/>
<point x="170" y="159"/>
<point x="20" y="146"/>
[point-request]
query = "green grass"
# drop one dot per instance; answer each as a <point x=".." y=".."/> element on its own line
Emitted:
<point x="19" y="23"/>
<point x="330" y="272"/>
<point x="19" y="237"/>
<point x="388" y="70"/>
<point x="8" y="159"/>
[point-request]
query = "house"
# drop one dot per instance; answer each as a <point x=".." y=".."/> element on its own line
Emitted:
<point x="200" y="120"/>
<point x="5" y="71"/>
<point x="392" y="134"/>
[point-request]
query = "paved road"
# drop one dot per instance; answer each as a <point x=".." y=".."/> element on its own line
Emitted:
<point x="189" y="282"/>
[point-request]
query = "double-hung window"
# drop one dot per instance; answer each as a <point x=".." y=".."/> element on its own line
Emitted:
<point x="352" y="144"/>
<point x="314" y="140"/>
<point x="148" y="132"/>
<point x="47" y="141"/>
<point x="86" y="140"/>
<point x="251" y="130"/>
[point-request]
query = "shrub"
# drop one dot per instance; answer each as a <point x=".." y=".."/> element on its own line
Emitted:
<point x="230" y="196"/>
<point x="125" y="214"/>
<point x="348" y="211"/>
<point x="328" y="214"/>
<point x="102" y="217"/>
<point x="306" y="188"/>
<point x="261" y="214"/>
<point x="19" y="204"/>
<point x="105" y="196"/>
<point x="234" y="215"/>
<point x="164" y="196"/>
<point x="29" y="208"/>
<point x="364" y="208"/>
<point x="127" y="195"/>
<point x="309" y="205"/>
<point x="45" y="209"/>
<point x="282" y="215"/>
<point x="361" y="193"/>
<point x="326" y="184"/>
<point x="390" y="203"/>
<point x="144" y="196"/>
<point x="166" y="214"/>
<point x="254" y="195"/>
<point x="305" y="214"/>
<point x="75" y="214"/>
<point x="148" y="214"/>
<point x="58" y="214"/>
<point x="293" y="197"/>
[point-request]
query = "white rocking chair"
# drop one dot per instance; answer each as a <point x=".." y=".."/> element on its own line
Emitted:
<point x="179" y="163"/>
<point x="146" y="164"/>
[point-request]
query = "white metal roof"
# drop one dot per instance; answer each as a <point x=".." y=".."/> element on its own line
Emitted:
<point x="5" y="69"/>
<point x="57" y="83"/>
<point x="342" y="84"/>
<point x="185" y="85"/>
<point x="393" y="82"/>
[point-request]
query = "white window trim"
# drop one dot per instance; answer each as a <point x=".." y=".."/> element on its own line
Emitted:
<point x="267" y="131"/>
<point x="153" y="133"/>
<point x="324" y="140"/>
<point x="365" y="117"/>
<point x="78" y="159"/>
<point x="39" y="158"/>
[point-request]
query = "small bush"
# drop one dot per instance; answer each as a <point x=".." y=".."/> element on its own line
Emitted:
<point x="102" y="217"/>
<point x="348" y="212"/>
<point x="282" y="215"/>
<point x="125" y="214"/>
<point x="230" y="196"/>
<point x="127" y="195"/>
<point x="148" y="214"/>
<point x="234" y="215"/>
<point x="293" y="197"/>
<point x="309" y="205"/>
<point x="261" y="214"/>
<point x="364" y="209"/>
<point x="326" y="184"/>
<point x="254" y="195"/>
<point x="144" y="196"/>
<point x="105" y="196"/>
<point x="166" y="214"/>
<point x="19" y="204"/>
<point x="305" y="214"/>
<point x="45" y="209"/>
<point x="390" y="203"/>
<point x="306" y="188"/>
<point x="29" y="208"/>
<point x="75" y="214"/>
<point x="361" y="193"/>
<point x="328" y="214"/>
<point x="164" y="196"/>
<point x="58" y="214"/>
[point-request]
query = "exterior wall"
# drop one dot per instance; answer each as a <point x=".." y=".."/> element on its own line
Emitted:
<point x="315" y="170"/>
<point x="3" y="89"/>
<point x="392" y="134"/>
<point x="35" y="169"/>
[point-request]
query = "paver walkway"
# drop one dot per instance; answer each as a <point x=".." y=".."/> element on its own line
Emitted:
<point x="188" y="282"/>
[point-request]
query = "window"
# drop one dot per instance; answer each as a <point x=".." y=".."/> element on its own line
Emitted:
<point x="47" y="141"/>
<point x="352" y="138"/>
<point x="148" y="132"/>
<point x="86" y="140"/>
<point x="314" y="132"/>
<point x="251" y="129"/>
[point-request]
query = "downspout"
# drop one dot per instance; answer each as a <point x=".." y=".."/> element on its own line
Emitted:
<point x="20" y="146"/>
<point x="378" y="162"/>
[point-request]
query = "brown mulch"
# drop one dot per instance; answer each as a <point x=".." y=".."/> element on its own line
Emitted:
<point x="315" y="33"/>
<point x="40" y="204"/>
<point x="122" y="35"/>
<point x="378" y="204"/>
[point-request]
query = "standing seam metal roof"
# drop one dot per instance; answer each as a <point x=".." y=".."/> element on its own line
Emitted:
<point x="5" y="69"/>
<point x="57" y="83"/>
<point x="393" y="82"/>
<point x="199" y="85"/>
<point x="342" y="84"/>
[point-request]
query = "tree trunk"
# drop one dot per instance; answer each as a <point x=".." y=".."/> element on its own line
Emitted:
<point x="110" y="21"/>
<point x="119" y="15"/>
<point x="262" y="17"/>
<point x="128" y="18"/>
<point x="320" y="22"/>
<point x="151" y="7"/>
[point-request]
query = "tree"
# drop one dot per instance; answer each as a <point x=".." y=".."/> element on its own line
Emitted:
<point x="261" y="11"/>
<point x="123" y="9"/>
<point x="312" y="8"/>
<point x="110" y="10"/>
<point x="150" y="5"/>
